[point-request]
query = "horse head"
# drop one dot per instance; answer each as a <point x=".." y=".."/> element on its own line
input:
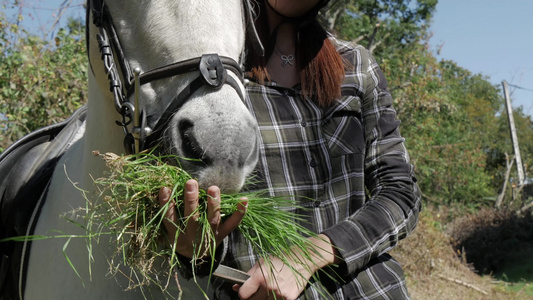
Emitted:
<point x="173" y="72"/>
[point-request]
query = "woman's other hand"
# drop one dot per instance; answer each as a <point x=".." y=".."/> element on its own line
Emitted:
<point x="279" y="280"/>
<point x="187" y="238"/>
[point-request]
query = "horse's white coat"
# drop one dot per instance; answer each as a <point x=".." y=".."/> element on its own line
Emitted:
<point x="153" y="34"/>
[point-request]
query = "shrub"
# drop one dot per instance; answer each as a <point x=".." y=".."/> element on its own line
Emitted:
<point x="41" y="82"/>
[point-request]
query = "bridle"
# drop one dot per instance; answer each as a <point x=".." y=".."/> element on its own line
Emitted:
<point x="125" y="82"/>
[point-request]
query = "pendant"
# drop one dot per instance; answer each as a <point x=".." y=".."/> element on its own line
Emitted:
<point x="286" y="59"/>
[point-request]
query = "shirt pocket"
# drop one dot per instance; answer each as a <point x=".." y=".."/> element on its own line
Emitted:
<point x="344" y="134"/>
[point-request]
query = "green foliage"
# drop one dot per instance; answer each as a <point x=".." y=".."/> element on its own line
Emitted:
<point x="41" y="82"/>
<point x="388" y="26"/>
<point x="444" y="111"/>
<point x="456" y="129"/>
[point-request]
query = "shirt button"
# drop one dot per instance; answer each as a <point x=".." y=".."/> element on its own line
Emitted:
<point x="312" y="163"/>
<point x="291" y="92"/>
<point x="303" y="124"/>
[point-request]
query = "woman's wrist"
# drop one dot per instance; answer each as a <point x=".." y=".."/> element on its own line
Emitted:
<point x="324" y="252"/>
<point x="202" y="266"/>
<point x="320" y="254"/>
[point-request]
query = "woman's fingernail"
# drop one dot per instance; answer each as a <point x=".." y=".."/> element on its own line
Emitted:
<point x="164" y="193"/>
<point x="243" y="205"/>
<point x="190" y="186"/>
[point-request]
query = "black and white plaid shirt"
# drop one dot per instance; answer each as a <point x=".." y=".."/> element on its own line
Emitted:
<point x="348" y="165"/>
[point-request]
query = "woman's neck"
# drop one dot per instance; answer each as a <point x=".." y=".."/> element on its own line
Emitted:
<point x="286" y="38"/>
<point x="282" y="65"/>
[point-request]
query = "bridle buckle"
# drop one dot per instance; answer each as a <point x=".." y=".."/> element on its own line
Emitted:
<point x="213" y="72"/>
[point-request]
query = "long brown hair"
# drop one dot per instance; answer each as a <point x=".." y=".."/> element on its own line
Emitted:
<point x="320" y="66"/>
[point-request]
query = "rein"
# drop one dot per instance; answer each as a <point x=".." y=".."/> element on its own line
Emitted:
<point x="125" y="82"/>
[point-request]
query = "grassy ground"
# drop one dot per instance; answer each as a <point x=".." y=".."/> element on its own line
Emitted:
<point x="436" y="270"/>
<point x="516" y="273"/>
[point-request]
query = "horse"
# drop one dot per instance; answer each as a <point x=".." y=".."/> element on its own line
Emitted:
<point x="168" y="71"/>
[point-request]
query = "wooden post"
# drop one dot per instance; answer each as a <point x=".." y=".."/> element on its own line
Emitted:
<point x="514" y="138"/>
<point x="509" y="165"/>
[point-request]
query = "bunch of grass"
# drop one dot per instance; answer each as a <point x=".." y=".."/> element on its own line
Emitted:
<point x="128" y="210"/>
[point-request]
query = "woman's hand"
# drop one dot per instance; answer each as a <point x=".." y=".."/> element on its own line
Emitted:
<point x="191" y="234"/>
<point x="277" y="280"/>
<point x="274" y="279"/>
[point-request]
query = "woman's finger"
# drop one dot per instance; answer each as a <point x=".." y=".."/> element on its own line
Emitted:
<point x="191" y="213"/>
<point x="185" y="243"/>
<point x="190" y="205"/>
<point x="252" y="287"/>
<point x="170" y="215"/>
<point x="234" y="220"/>
<point x="213" y="208"/>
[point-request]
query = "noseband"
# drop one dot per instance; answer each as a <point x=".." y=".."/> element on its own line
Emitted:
<point x="212" y="70"/>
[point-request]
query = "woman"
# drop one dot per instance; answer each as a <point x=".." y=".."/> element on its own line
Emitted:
<point x="329" y="134"/>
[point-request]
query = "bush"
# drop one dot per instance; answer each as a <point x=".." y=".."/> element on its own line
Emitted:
<point x="41" y="82"/>
<point x="489" y="236"/>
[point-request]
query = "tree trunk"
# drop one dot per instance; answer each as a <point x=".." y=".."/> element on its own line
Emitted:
<point x="509" y="166"/>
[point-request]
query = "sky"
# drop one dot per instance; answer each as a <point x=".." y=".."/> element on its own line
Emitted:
<point x="40" y="15"/>
<point x="489" y="37"/>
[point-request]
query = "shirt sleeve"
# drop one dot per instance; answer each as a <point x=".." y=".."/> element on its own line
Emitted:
<point x="391" y="212"/>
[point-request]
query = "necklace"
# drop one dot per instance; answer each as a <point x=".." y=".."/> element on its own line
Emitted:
<point x="285" y="59"/>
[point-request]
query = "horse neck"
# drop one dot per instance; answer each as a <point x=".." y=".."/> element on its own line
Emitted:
<point x="102" y="133"/>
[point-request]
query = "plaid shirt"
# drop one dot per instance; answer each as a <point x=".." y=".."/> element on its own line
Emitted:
<point x="325" y="158"/>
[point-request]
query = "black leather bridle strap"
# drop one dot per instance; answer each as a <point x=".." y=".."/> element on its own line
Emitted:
<point x="185" y="66"/>
<point x="190" y="65"/>
<point x="190" y="89"/>
<point x="174" y="106"/>
<point x="102" y="19"/>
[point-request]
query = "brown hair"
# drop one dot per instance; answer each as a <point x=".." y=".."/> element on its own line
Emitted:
<point x="320" y="66"/>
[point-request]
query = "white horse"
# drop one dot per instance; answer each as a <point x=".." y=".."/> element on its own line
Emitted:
<point x="212" y="125"/>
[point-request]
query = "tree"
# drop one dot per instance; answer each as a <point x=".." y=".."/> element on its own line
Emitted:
<point x="390" y="24"/>
<point x="446" y="136"/>
<point x="41" y="82"/>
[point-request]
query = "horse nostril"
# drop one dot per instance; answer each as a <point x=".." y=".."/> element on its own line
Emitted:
<point x="185" y="125"/>
<point x="189" y="144"/>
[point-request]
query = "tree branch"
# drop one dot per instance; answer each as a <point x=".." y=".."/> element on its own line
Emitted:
<point x="468" y="285"/>
<point x="525" y="208"/>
